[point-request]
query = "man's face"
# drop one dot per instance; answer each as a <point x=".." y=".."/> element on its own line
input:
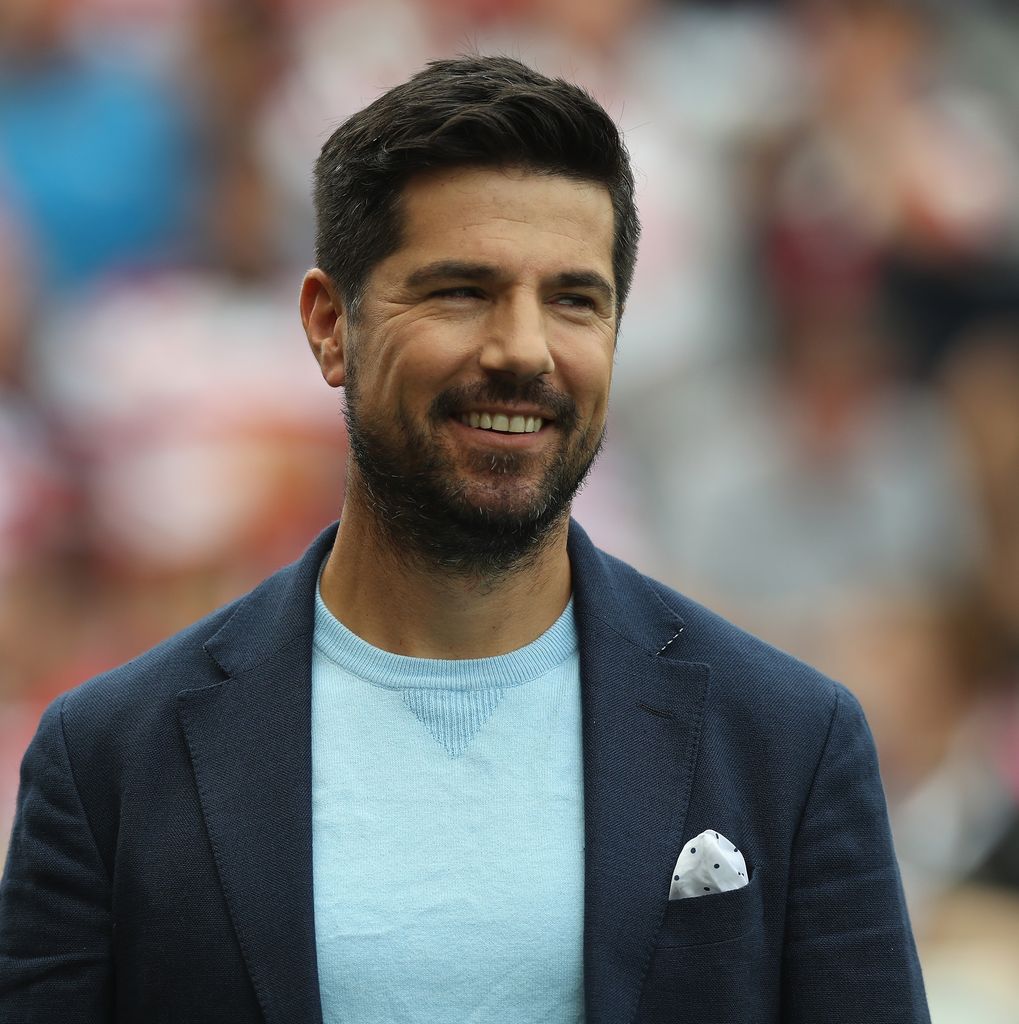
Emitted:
<point x="477" y="373"/>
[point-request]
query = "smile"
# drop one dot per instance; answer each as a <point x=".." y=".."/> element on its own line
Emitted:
<point x="502" y="423"/>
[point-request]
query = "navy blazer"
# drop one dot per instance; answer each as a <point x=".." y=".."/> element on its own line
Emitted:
<point x="160" y="864"/>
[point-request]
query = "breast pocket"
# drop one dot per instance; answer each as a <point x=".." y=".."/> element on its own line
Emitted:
<point x="718" y="917"/>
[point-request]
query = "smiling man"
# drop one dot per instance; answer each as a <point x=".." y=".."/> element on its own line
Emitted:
<point x="476" y="366"/>
<point x="456" y="764"/>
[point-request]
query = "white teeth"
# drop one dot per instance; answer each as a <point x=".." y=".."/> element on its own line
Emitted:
<point x="501" y="422"/>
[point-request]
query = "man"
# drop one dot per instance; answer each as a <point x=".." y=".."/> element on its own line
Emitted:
<point x="454" y="764"/>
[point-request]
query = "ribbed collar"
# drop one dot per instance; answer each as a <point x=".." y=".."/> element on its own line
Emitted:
<point x="397" y="671"/>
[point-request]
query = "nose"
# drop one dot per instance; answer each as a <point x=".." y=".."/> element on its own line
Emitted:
<point x="516" y="339"/>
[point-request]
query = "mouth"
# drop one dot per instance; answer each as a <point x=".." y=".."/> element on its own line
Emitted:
<point x="501" y="423"/>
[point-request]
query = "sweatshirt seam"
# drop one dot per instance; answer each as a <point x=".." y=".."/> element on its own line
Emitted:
<point x="411" y="683"/>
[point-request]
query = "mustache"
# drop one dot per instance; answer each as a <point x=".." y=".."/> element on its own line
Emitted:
<point x="554" y="404"/>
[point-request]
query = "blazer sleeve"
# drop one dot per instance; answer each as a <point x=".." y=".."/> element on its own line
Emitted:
<point x="55" y="919"/>
<point x="849" y="953"/>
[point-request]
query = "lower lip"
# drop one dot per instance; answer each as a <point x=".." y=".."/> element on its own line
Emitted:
<point x="495" y="438"/>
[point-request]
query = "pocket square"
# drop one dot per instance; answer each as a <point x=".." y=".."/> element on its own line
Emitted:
<point x="707" y="863"/>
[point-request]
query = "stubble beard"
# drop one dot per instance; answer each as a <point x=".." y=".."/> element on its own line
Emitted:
<point x="425" y="510"/>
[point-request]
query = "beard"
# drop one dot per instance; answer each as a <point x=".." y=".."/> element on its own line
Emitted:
<point x="483" y="522"/>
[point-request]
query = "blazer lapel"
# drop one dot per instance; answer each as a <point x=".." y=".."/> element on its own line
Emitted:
<point x="642" y="713"/>
<point x="249" y="738"/>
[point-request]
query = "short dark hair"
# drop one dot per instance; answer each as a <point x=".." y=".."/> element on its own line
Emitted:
<point x="471" y="111"/>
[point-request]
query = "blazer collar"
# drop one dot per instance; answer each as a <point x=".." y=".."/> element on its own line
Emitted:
<point x="249" y="738"/>
<point x="282" y="608"/>
<point x="274" y="615"/>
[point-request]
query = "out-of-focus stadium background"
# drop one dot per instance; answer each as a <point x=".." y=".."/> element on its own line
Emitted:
<point x="815" y="425"/>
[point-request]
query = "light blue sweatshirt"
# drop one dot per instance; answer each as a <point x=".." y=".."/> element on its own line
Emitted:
<point x="448" y="830"/>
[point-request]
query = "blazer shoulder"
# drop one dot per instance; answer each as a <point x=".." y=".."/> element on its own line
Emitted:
<point x="746" y="668"/>
<point x="144" y="685"/>
<point x="227" y="641"/>
<point x="119" y="724"/>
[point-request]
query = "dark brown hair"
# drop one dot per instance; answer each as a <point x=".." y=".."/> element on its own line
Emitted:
<point x="471" y="111"/>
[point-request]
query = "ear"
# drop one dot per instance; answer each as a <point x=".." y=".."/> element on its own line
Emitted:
<point x="325" y="324"/>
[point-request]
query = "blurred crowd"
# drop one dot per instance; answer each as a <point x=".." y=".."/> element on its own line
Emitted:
<point x="815" y="423"/>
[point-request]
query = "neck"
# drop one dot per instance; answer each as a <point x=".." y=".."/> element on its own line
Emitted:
<point x="402" y="605"/>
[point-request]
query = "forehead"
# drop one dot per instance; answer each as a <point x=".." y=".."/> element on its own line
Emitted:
<point x="512" y="216"/>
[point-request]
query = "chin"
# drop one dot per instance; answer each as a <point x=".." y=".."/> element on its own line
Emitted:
<point x="512" y="509"/>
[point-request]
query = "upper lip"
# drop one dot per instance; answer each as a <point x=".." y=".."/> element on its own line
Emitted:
<point x="507" y="410"/>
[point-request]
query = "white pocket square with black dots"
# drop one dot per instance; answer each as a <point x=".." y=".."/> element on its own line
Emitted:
<point x="708" y="863"/>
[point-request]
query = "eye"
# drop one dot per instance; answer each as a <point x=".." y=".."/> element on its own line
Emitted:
<point x="575" y="301"/>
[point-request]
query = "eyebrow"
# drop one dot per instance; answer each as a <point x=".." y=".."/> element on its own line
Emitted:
<point x="585" y="279"/>
<point x="443" y="270"/>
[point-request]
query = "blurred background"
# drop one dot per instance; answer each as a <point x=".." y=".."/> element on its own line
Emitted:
<point x="815" y="425"/>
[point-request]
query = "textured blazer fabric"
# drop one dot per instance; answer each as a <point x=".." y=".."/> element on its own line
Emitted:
<point x="160" y="864"/>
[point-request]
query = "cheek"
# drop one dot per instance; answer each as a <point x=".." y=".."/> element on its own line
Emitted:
<point x="428" y="360"/>
<point x="399" y="363"/>
<point x="589" y="379"/>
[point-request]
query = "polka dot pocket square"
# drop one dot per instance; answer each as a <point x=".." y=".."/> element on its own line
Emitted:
<point x="708" y="863"/>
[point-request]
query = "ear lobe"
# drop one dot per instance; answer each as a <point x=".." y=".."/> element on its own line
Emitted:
<point x="325" y="324"/>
